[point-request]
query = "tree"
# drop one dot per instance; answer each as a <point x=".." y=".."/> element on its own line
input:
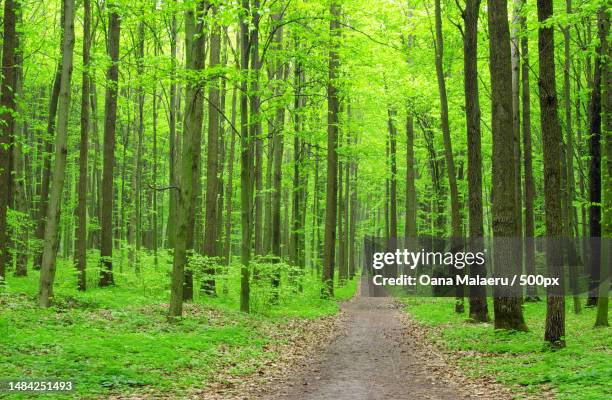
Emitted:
<point x="478" y="300"/>
<point x="551" y="143"/>
<point x="110" y="120"/>
<point x="246" y="164"/>
<point x="332" y="154"/>
<point x="448" y="148"/>
<point x="47" y="270"/>
<point x="603" y="30"/>
<point x="192" y="131"/>
<point x="529" y="182"/>
<point x="7" y="121"/>
<point x="507" y="301"/>
<point x="210" y="230"/>
<point x="595" y="176"/>
<point x="81" y="234"/>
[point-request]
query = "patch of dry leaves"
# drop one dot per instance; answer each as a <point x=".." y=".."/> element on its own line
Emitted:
<point x="444" y="364"/>
<point x="293" y="346"/>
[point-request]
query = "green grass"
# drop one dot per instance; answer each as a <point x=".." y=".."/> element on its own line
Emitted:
<point x="117" y="340"/>
<point x="582" y="370"/>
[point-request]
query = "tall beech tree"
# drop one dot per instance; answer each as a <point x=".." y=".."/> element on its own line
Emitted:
<point x="329" y="258"/>
<point x="507" y="301"/>
<point x="7" y="122"/>
<point x="210" y="223"/>
<point x="246" y="164"/>
<point x="595" y="172"/>
<point x="529" y="182"/>
<point x="110" y="121"/>
<point x="603" y="31"/>
<point x="192" y="132"/>
<point x="551" y="143"/>
<point x="47" y="270"/>
<point x="81" y="234"/>
<point x="478" y="301"/>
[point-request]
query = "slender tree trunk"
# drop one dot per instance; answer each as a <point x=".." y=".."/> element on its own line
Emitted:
<point x="448" y="149"/>
<point x="393" y="181"/>
<point x="110" y="119"/>
<point x="47" y="273"/>
<point x="595" y="175"/>
<point x="278" y="128"/>
<point x="20" y="165"/>
<point x="210" y="230"/>
<point x="353" y="258"/>
<point x="527" y="161"/>
<point x="567" y="174"/>
<point x="230" y="187"/>
<point x="332" y="155"/>
<point x="551" y="142"/>
<point x="507" y="301"/>
<point x="478" y="301"/>
<point x="255" y="130"/>
<point x="7" y="122"/>
<point x="603" y="29"/>
<point x="344" y="267"/>
<point x="297" y="230"/>
<point x="46" y="155"/>
<point x="81" y="236"/>
<point x="516" y="119"/>
<point x="154" y="179"/>
<point x="246" y="165"/>
<point x="411" y="200"/>
<point x="173" y="138"/>
<point x="192" y="131"/>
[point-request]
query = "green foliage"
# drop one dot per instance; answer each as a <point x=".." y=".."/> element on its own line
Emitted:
<point x="117" y="340"/>
<point x="520" y="359"/>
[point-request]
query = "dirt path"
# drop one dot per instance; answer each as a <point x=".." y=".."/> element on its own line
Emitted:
<point x="373" y="358"/>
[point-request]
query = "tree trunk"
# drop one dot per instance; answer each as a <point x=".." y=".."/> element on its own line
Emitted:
<point x="567" y="174"/>
<point x="478" y="297"/>
<point x="7" y="122"/>
<point x="507" y="301"/>
<point x="595" y="174"/>
<point x="192" y="132"/>
<point x="411" y="200"/>
<point x="551" y="143"/>
<point x="255" y="130"/>
<point x="46" y="155"/>
<point x="353" y="258"/>
<point x="47" y="272"/>
<point x="210" y="230"/>
<point x="527" y="161"/>
<point x="81" y="235"/>
<point x="299" y="208"/>
<point x="278" y="129"/>
<point x="603" y="29"/>
<point x="448" y="148"/>
<point x="246" y="165"/>
<point x="110" y="119"/>
<point x="20" y="163"/>
<point x="173" y="138"/>
<point x="332" y="155"/>
<point x="230" y="187"/>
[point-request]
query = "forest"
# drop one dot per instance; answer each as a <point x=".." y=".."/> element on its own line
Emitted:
<point x="188" y="187"/>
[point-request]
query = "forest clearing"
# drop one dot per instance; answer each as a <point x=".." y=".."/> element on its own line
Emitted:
<point x="305" y="199"/>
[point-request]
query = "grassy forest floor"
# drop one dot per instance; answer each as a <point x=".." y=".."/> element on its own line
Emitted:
<point x="582" y="370"/>
<point x="117" y="341"/>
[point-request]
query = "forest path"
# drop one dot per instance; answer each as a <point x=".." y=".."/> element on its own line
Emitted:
<point x="373" y="358"/>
